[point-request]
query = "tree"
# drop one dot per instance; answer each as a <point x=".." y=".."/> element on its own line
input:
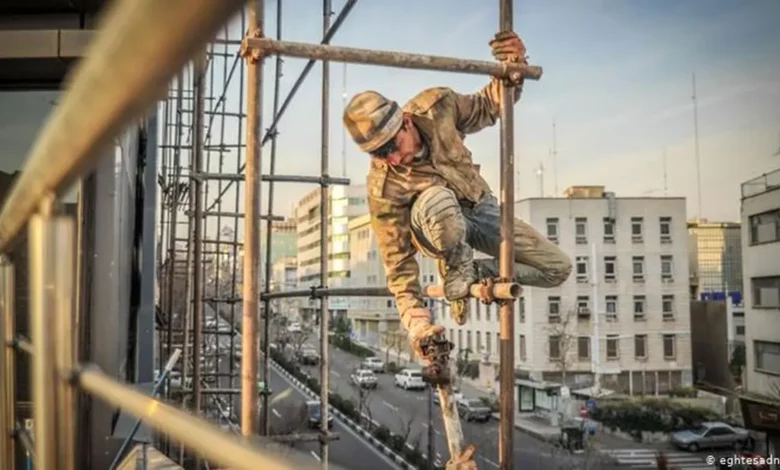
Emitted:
<point x="363" y="406"/>
<point x="562" y="342"/>
<point x="294" y="418"/>
<point x="298" y="339"/>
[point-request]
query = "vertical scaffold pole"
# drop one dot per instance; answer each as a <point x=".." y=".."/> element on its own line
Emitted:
<point x="324" y="211"/>
<point x="251" y="281"/>
<point x="507" y="259"/>
<point x="197" y="235"/>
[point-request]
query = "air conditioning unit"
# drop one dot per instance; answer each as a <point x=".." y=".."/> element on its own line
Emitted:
<point x="583" y="311"/>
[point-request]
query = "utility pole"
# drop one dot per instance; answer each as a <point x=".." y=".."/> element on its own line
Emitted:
<point x="595" y="344"/>
<point x="554" y="155"/>
<point x="696" y="145"/>
<point x="666" y="187"/>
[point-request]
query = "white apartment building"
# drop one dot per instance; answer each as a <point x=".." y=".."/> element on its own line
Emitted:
<point x="638" y="308"/>
<point x="284" y="277"/>
<point x="346" y="203"/>
<point x="372" y="317"/>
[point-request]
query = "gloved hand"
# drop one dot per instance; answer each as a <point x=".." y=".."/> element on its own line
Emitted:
<point x="508" y="47"/>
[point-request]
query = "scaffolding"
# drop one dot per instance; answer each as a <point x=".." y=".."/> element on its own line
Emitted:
<point x="195" y="108"/>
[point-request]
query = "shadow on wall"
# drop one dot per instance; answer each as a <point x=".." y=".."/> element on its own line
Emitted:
<point x="710" y="346"/>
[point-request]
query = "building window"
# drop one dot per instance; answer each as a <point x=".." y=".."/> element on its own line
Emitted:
<point x="389" y="304"/>
<point x="488" y="342"/>
<point x="610" y="269"/>
<point x="637" y="229"/>
<point x="610" y="305"/>
<point x="552" y="229"/>
<point x="639" y="307"/>
<point x="479" y="341"/>
<point x="521" y="309"/>
<point x="739" y="330"/>
<point x="477" y="309"/>
<point x="488" y="309"/>
<point x="555" y="347"/>
<point x="468" y="341"/>
<point x="609" y="230"/>
<point x="640" y="346"/>
<point x="582" y="269"/>
<point x="638" y="267"/>
<point x="765" y="227"/>
<point x="767" y="356"/>
<point x="667" y="268"/>
<point x="583" y="306"/>
<point x="613" y="347"/>
<point x="581" y="230"/>
<point x="554" y="309"/>
<point x="766" y="291"/>
<point x="670" y="347"/>
<point x="583" y="348"/>
<point x="667" y="307"/>
<point x="665" y="228"/>
<point x="521" y="346"/>
<point x="460" y="339"/>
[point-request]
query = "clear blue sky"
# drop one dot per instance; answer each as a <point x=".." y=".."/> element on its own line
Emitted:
<point x="617" y="81"/>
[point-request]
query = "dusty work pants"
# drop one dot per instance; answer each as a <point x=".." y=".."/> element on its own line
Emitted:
<point x="443" y="227"/>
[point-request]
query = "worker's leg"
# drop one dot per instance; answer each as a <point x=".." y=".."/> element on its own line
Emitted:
<point x="439" y="226"/>
<point x="539" y="262"/>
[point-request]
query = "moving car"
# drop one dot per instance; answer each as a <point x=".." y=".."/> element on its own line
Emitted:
<point x="314" y="412"/>
<point x="363" y="378"/>
<point x="473" y="409"/>
<point x="373" y="364"/>
<point x="409" y="379"/>
<point x="307" y="355"/>
<point x="711" y="435"/>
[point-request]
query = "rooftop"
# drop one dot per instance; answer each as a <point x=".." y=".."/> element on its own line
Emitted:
<point x="761" y="184"/>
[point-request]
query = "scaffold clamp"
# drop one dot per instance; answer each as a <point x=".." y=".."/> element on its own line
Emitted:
<point x="251" y="54"/>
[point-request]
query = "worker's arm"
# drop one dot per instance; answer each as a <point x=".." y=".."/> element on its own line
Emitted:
<point x="392" y="228"/>
<point x="479" y="110"/>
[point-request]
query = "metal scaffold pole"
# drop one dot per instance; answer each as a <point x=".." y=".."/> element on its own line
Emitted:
<point x="197" y="236"/>
<point x="269" y="229"/>
<point x="251" y="281"/>
<point x="324" y="219"/>
<point x="507" y="260"/>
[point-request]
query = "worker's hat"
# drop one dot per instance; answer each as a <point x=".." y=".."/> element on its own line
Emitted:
<point x="372" y="120"/>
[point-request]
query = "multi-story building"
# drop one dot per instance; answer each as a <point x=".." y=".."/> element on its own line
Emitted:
<point x="346" y="203"/>
<point x="374" y="317"/>
<point x="638" y="308"/>
<point x="716" y="260"/>
<point x="284" y="277"/>
<point x="761" y="270"/>
<point x="284" y="240"/>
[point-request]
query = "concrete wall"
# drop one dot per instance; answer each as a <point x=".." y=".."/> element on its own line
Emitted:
<point x="710" y="345"/>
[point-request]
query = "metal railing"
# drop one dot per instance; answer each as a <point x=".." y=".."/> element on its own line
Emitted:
<point x="119" y="81"/>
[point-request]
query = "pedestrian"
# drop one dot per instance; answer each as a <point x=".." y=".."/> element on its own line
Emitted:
<point x="426" y="194"/>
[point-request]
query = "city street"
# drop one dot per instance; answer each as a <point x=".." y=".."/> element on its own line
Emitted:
<point x="406" y="413"/>
<point x="349" y="451"/>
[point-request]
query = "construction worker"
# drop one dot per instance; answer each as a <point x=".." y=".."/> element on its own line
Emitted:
<point x="425" y="193"/>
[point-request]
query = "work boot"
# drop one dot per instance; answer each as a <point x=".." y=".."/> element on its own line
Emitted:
<point x="459" y="273"/>
<point x="420" y="332"/>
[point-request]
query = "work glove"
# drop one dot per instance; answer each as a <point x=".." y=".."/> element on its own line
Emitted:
<point x="508" y="47"/>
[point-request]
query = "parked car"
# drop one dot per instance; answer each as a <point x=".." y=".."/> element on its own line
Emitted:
<point x="473" y="409"/>
<point x="456" y="394"/>
<point x="711" y="435"/>
<point x="363" y="378"/>
<point x="308" y="356"/>
<point x="314" y="411"/>
<point x="409" y="379"/>
<point x="294" y="327"/>
<point x="373" y="364"/>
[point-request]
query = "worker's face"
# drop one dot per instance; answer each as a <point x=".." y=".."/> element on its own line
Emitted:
<point x="402" y="149"/>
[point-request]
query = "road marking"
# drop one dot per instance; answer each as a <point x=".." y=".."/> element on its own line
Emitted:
<point x="390" y="406"/>
<point x="276" y="413"/>
<point x="489" y="461"/>
<point x="333" y="372"/>
<point x="419" y="398"/>
<point x="317" y="457"/>
<point x="425" y="425"/>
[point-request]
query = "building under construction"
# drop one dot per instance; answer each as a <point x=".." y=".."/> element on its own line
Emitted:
<point x="137" y="287"/>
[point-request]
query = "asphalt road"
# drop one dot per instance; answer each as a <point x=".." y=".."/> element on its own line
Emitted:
<point x="406" y="413"/>
<point x="349" y="451"/>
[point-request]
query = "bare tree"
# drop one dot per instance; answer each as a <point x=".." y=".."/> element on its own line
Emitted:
<point x="399" y="342"/>
<point x="363" y="406"/>
<point x="562" y="342"/>
<point x="290" y="417"/>
<point x="406" y="420"/>
<point x="298" y="339"/>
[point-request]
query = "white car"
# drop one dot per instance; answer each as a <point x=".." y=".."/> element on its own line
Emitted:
<point x="373" y="364"/>
<point x="363" y="378"/>
<point x="409" y="379"/>
<point x="456" y="394"/>
<point x="294" y="327"/>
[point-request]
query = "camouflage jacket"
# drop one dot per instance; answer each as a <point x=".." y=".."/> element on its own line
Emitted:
<point x="443" y="118"/>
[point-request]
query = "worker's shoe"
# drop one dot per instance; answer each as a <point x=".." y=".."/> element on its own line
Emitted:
<point x="418" y="334"/>
<point x="459" y="273"/>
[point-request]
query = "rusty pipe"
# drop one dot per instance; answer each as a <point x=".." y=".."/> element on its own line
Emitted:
<point x="500" y="290"/>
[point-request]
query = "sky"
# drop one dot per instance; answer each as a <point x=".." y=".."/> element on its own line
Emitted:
<point x="617" y="82"/>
